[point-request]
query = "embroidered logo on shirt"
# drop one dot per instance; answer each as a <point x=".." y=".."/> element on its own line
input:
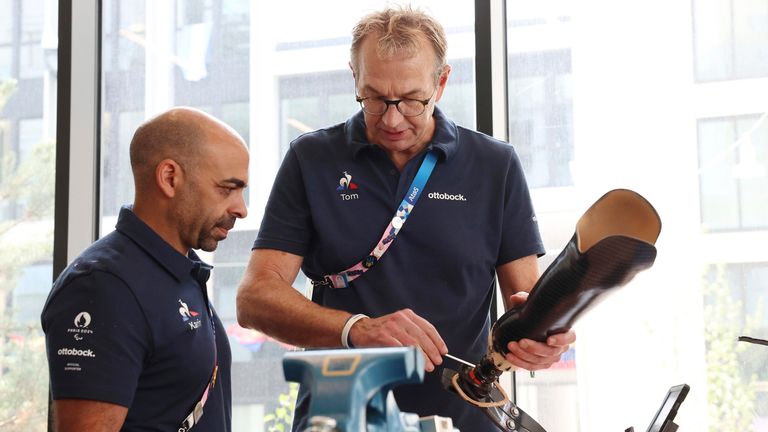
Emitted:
<point x="188" y="314"/>
<point x="446" y="197"/>
<point x="346" y="185"/>
<point x="81" y="321"/>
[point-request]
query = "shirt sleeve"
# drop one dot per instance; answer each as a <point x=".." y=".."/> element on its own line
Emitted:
<point x="97" y="339"/>
<point x="287" y="222"/>
<point x="520" y="230"/>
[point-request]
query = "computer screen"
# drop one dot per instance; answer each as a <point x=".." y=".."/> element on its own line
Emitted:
<point x="668" y="409"/>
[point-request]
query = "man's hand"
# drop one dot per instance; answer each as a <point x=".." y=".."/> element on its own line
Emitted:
<point x="532" y="355"/>
<point x="401" y="328"/>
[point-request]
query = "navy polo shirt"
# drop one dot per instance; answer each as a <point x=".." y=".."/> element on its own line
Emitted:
<point x="128" y="323"/>
<point x="333" y="197"/>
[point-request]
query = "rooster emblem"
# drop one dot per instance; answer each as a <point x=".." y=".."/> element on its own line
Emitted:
<point x="345" y="182"/>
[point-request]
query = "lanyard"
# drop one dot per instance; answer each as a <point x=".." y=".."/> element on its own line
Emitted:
<point x="342" y="279"/>
<point x="201" y="272"/>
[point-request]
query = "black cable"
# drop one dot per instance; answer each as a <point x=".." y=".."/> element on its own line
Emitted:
<point x="753" y="340"/>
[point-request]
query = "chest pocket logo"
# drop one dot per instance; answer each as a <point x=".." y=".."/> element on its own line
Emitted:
<point x="189" y="316"/>
<point x="346" y="186"/>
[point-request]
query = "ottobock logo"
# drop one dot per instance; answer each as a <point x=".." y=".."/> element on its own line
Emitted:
<point x="446" y="197"/>
<point x="346" y="186"/>
<point x="75" y="352"/>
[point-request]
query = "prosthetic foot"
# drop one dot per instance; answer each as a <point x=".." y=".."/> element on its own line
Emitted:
<point x="614" y="240"/>
<point x="494" y="402"/>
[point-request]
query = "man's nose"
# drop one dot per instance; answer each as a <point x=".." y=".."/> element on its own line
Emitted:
<point x="392" y="115"/>
<point x="240" y="210"/>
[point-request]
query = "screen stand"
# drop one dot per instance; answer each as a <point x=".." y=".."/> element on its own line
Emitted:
<point x="670" y="427"/>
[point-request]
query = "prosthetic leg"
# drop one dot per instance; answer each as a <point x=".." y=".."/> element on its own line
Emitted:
<point x="614" y="240"/>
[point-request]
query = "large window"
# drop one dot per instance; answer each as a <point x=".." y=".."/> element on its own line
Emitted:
<point x="603" y="97"/>
<point x="27" y="149"/>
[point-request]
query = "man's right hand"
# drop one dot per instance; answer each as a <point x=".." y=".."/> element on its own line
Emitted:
<point x="401" y="328"/>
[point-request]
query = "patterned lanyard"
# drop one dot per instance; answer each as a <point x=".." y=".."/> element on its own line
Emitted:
<point x="201" y="271"/>
<point x="342" y="279"/>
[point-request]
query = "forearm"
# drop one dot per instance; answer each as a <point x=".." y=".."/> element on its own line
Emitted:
<point x="267" y="302"/>
<point x="286" y="315"/>
<point x="517" y="276"/>
<point x="75" y="415"/>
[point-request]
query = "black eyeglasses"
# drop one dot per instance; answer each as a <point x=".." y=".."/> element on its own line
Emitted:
<point x="407" y="107"/>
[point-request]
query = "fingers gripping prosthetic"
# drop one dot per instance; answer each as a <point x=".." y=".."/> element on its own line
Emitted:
<point x="614" y="240"/>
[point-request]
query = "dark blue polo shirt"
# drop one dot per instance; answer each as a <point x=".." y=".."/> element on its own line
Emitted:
<point x="127" y="323"/>
<point x="333" y="197"/>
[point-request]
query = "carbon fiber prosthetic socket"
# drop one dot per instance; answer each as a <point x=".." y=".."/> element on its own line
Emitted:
<point x="614" y="240"/>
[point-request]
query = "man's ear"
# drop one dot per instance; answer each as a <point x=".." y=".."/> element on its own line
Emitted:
<point x="442" y="81"/>
<point x="352" y="68"/>
<point x="168" y="176"/>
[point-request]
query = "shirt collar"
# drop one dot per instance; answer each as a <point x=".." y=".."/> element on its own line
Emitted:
<point x="178" y="265"/>
<point x="445" y="138"/>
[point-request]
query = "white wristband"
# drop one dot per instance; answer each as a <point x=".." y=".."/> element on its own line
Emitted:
<point x="347" y="327"/>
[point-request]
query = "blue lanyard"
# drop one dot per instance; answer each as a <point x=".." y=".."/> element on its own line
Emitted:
<point x="417" y="186"/>
<point x="342" y="279"/>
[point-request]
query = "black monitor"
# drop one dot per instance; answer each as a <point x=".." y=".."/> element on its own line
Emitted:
<point x="668" y="409"/>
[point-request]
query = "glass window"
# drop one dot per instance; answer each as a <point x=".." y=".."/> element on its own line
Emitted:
<point x="237" y="60"/>
<point x="750" y="31"/>
<point x="540" y="116"/>
<point x="6" y="21"/>
<point x="540" y="103"/>
<point x="729" y="39"/>
<point x="6" y="59"/>
<point x="30" y="134"/>
<point x="733" y="155"/>
<point x="607" y="100"/>
<point x="31" y="64"/>
<point x="27" y="152"/>
<point x="32" y="14"/>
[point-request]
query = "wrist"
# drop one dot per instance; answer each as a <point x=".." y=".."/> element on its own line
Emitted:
<point x="345" y="342"/>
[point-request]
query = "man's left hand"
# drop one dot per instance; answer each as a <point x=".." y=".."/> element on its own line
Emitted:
<point x="532" y="355"/>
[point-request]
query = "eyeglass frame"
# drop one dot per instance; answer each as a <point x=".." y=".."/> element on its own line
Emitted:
<point x="396" y="103"/>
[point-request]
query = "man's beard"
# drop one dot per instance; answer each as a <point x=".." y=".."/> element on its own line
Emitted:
<point x="206" y="241"/>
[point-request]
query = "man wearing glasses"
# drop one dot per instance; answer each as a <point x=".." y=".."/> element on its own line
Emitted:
<point x="428" y="283"/>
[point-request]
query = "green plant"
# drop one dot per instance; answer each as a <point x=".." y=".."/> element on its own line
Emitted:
<point x="24" y="382"/>
<point x="281" y="419"/>
<point x="730" y="389"/>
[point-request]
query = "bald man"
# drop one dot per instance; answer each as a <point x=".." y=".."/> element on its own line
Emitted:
<point x="133" y="341"/>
